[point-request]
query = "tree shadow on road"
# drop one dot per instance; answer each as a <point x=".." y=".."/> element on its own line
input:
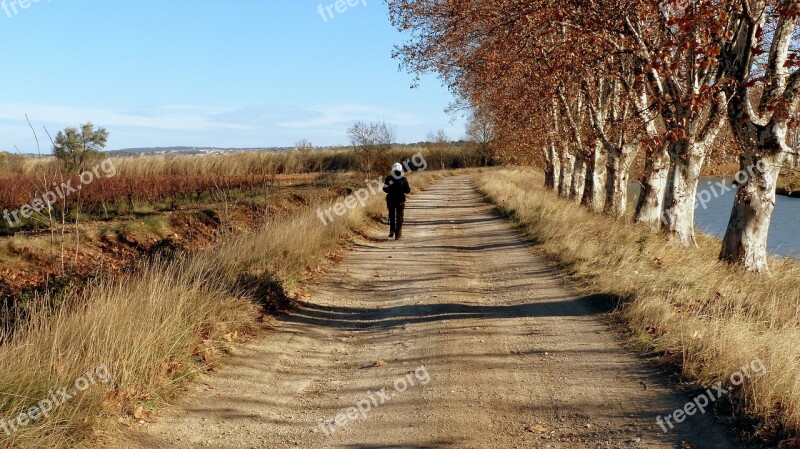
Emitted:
<point x="354" y="318"/>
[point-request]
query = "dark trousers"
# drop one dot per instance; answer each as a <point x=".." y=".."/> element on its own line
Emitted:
<point x="396" y="212"/>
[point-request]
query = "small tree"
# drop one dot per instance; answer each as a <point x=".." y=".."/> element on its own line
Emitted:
<point x="438" y="143"/>
<point x="77" y="147"/>
<point x="369" y="140"/>
<point x="304" y="146"/>
<point x="304" y="149"/>
<point x="480" y="130"/>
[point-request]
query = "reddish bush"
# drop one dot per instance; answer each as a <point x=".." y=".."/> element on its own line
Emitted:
<point x="17" y="190"/>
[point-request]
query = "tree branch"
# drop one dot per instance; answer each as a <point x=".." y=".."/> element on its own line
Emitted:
<point x="715" y="121"/>
<point x="570" y="118"/>
<point x="776" y="72"/>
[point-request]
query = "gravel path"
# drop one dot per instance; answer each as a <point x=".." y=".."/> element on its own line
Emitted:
<point x="457" y="336"/>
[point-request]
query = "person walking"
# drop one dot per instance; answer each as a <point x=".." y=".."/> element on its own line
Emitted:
<point x="396" y="187"/>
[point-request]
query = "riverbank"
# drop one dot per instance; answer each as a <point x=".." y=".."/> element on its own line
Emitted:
<point x="786" y="191"/>
<point x="712" y="214"/>
<point x="788" y="181"/>
<point x="700" y="314"/>
<point x="713" y="206"/>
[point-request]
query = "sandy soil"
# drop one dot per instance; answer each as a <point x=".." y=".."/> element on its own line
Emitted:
<point x="475" y="342"/>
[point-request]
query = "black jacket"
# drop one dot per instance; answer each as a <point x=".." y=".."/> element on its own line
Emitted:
<point x="396" y="189"/>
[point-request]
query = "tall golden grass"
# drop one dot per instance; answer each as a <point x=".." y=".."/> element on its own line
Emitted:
<point x="711" y="318"/>
<point x="158" y="325"/>
<point x="261" y="163"/>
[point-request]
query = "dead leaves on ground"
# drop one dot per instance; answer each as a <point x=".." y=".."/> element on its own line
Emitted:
<point x="117" y="402"/>
<point x="377" y="364"/>
<point x="141" y="414"/>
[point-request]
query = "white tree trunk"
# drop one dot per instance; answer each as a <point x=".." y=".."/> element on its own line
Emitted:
<point x="619" y="169"/>
<point x="556" y="169"/>
<point x="578" y="179"/>
<point x="681" y="191"/>
<point x="745" y="240"/>
<point x="650" y="207"/>
<point x="567" y="169"/>
<point x="595" y="178"/>
<point x="552" y="169"/>
<point x="616" y="187"/>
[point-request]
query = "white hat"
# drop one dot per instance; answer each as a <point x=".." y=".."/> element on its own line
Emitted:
<point x="397" y="167"/>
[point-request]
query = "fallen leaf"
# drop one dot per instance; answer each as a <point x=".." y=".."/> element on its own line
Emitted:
<point x="538" y="428"/>
<point x="141" y="414"/>
<point x="208" y="356"/>
<point x="112" y="406"/>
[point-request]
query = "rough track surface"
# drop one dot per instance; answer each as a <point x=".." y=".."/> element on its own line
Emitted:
<point x="494" y="352"/>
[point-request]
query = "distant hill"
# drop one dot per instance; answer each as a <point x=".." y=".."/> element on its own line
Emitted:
<point x="188" y="151"/>
<point x="199" y="151"/>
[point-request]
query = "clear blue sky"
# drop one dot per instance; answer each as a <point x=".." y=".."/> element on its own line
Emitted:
<point x="223" y="73"/>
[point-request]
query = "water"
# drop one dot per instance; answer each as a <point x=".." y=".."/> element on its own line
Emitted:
<point x="712" y="215"/>
<point x="784" y="231"/>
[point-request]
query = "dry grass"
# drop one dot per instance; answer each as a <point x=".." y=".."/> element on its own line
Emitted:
<point x="249" y="163"/>
<point x="709" y="317"/>
<point x="157" y="326"/>
<point x="235" y="164"/>
<point x="261" y="163"/>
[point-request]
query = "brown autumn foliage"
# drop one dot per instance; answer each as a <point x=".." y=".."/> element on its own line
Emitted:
<point x="583" y="87"/>
<point x="593" y="90"/>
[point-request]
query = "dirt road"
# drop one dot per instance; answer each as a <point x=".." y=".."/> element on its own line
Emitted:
<point x="483" y="348"/>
